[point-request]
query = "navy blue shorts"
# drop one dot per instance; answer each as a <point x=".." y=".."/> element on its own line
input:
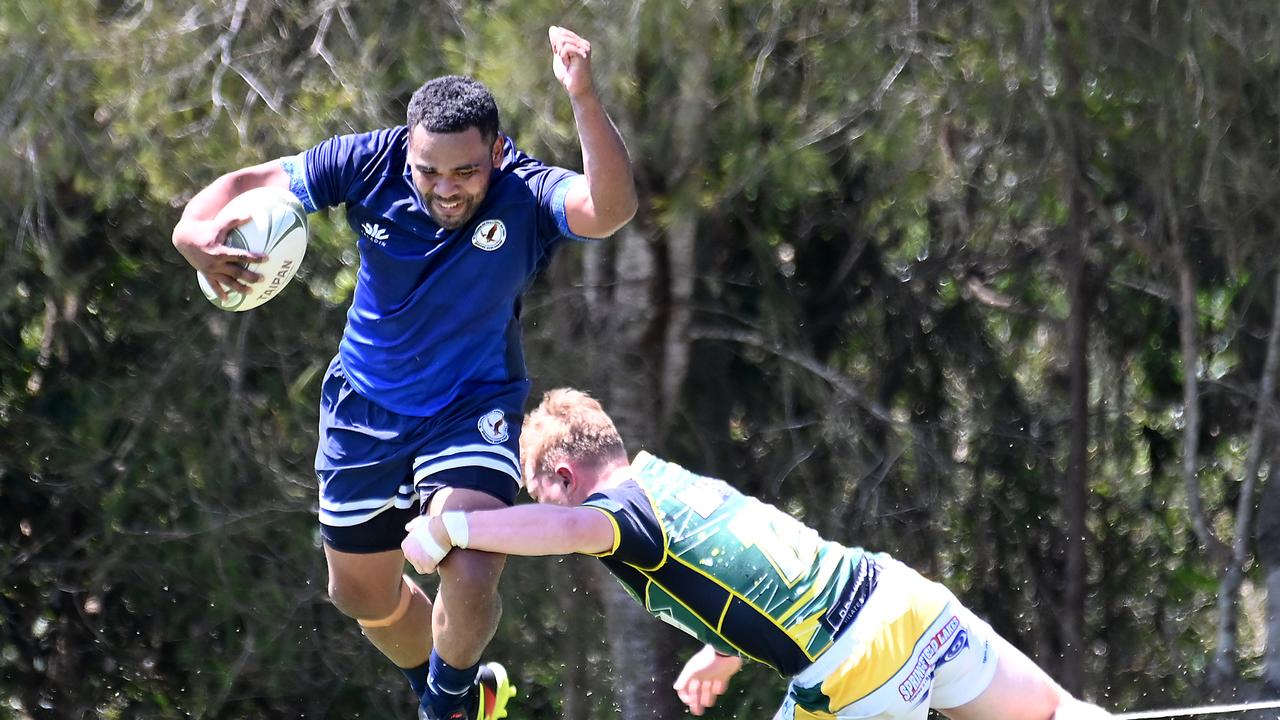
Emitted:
<point x="377" y="467"/>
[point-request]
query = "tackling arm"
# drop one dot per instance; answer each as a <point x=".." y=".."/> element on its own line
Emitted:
<point x="524" y="530"/>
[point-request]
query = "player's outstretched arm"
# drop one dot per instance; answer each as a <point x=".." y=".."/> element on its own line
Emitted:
<point x="607" y="199"/>
<point x="705" y="678"/>
<point x="524" y="530"/>
<point x="201" y="233"/>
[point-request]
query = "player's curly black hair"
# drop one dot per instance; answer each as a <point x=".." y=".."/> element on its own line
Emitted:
<point x="452" y="104"/>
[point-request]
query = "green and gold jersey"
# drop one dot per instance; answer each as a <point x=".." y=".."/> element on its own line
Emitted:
<point x="728" y="569"/>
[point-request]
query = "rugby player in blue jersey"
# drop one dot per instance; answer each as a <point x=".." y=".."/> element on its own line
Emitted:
<point x="860" y="634"/>
<point x="421" y="408"/>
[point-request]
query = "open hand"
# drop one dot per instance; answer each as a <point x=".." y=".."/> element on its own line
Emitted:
<point x="705" y="678"/>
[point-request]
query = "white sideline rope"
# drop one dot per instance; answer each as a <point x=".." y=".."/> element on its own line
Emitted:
<point x="1202" y="710"/>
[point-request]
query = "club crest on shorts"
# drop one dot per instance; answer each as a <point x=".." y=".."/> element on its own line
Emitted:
<point x="493" y="426"/>
<point x="489" y="235"/>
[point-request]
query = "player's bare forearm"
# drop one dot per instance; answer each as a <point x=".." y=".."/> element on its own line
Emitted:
<point x="200" y="233"/>
<point x="610" y="200"/>
<point x="206" y="204"/>
<point x="529" y="530"/>
<point x="540" y="530"/>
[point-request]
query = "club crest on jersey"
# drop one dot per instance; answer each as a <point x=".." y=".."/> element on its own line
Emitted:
<point x="493" y="426"/>
<point x="489" y="235"/>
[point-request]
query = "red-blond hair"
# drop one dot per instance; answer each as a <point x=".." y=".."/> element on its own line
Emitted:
<point x="568" y="425"/>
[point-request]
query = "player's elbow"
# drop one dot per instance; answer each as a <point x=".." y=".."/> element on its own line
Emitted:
<point x="614" y="215"/>
<point x="629" y="206"/>
<point x="628" y="203"/>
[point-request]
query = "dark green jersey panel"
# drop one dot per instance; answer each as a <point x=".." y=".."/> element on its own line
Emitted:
<point x="734" y="572"/>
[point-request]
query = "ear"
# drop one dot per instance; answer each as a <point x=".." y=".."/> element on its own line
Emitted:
<point x="565" y="473"/>
<point x="498" y="145"/>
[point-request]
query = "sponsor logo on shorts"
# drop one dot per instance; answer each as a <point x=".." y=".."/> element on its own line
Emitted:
<point x="957" y="646"/>
<point x="493" y="426"/>
<point x="489" y="235"/>
<point x="938" y="649"/>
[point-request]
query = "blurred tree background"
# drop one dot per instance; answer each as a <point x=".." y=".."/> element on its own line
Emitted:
<point x="985" y="285"/>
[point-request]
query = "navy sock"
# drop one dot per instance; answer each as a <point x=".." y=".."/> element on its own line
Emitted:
<point x="417" y="677"/>
<point x="447" y="686"/>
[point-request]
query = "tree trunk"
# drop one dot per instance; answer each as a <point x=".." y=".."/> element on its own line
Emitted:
<point x="1076" y="479"/>
<point x="1189" y="337"/>
<point x="576" y="680"/>
<point x="1222" y="673"/>
<point x="643" y="341"/>
<point x="1269" y="558"/>
<point x="643" y="679"/>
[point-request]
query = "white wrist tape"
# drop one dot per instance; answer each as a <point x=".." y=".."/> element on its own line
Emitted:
<point x="421" y="537"/>
<point x="455" y="523"/>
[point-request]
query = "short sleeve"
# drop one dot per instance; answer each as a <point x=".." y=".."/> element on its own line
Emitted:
<point x="550" y="185"/>
<point x="336" y="170"/>
<point x="295" y="166"/>
<point x="638" y="536"/>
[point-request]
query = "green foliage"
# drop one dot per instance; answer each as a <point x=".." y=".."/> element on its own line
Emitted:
<point x="882" y="204"/>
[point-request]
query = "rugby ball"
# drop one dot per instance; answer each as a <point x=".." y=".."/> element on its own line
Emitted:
<point x="277" y="227"/>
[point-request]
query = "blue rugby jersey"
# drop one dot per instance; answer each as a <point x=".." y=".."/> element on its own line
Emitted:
<point x="435" y="313"/>
<point x="728" y="569"/>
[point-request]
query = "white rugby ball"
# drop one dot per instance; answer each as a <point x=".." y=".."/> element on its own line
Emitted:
<point x="277" y="227"/>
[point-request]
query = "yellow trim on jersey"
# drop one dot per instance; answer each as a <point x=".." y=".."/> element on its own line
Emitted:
<point x="648" y="606"/>
<point x="672" y="596"/>
<point x="657" y="515"/>
<point x="802" y="634"/>
<point x="881" y="656"/>
<point x="802" y="714"/>
<point x="807" y="629"/>
<point x="617" y="532"/>
<point x="723" y="612"/>
<point x="760" y="611"/>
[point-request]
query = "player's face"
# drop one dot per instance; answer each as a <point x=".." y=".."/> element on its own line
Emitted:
<point x="452" y="172"/>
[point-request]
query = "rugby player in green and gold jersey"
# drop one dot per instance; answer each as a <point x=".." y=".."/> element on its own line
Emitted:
<point x="860" y="634"/>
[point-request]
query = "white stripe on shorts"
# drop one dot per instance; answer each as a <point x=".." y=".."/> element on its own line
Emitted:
<point x="349" y="514"/>
<point x="403" y="491"/>
<point x="477" y="448"/>
<point x="429" y="469"/>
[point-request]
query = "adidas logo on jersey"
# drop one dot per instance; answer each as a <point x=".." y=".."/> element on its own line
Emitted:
<point x="374" y="233"/>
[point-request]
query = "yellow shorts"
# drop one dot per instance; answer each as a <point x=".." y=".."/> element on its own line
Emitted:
<point x="912" y="647"/>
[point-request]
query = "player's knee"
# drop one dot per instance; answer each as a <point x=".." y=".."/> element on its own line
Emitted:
<point x="472" y="574"/>
<point x="362" y="602"/>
